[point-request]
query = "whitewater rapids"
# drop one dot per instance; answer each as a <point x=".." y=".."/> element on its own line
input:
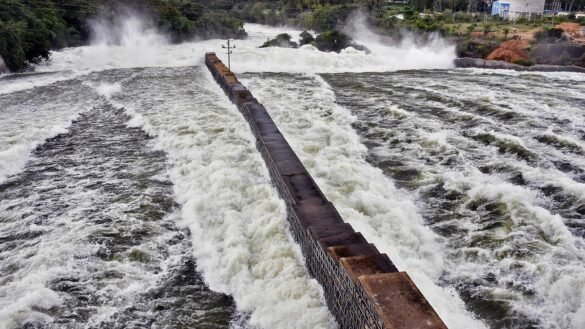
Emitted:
<point x="129" y="182"/>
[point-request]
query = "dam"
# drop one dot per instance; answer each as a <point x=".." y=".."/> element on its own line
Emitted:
<point x="362" y="287"/>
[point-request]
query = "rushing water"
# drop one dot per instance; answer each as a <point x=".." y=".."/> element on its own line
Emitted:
<point x="132" y="195"/>
<point x="495" y="165"/>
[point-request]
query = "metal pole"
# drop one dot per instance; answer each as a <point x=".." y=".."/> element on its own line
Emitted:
<point x="229" y="56"/>
<point x="229" y="52"/>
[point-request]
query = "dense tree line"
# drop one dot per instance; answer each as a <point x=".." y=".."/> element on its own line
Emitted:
<point x="30" y="29"/>
<point x="319" y="15"/>
<point x="481" y="5"/>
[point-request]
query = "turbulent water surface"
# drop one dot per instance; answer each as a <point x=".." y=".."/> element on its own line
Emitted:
<point x="132" y="195"/>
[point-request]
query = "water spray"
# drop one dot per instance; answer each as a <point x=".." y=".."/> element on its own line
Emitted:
<point x="3" y="66"/>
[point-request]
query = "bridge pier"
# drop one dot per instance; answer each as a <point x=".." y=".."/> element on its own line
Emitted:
<point x="362" y="287"/>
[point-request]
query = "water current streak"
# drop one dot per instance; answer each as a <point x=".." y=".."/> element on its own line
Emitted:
<point x="495" y="164"/>
<point x="88" y="236"/>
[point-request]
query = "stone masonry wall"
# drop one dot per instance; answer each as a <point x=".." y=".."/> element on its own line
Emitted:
<point x="362" y="287"/>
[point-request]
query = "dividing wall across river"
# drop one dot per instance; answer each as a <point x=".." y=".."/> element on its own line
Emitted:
<point x="362" y="287"/>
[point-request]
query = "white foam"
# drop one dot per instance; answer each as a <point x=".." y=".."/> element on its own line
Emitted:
<point x="108" y="89"/>
<point x="130" y="43"/>
<point x="320" y="132"/>
<point x="237" y="221"/>
<point x="235" y="216"/>
<point x="21" y="131"/>
<point x="533" y="250"/>
<point x="17" y="82"/>
<point x="3" y="67"/>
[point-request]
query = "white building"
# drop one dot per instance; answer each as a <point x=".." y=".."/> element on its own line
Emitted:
<point x="514" y="9"/>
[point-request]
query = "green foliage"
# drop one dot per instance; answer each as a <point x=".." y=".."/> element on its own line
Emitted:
<point x="218" y="24"/>
<point x="11" y="45"/>
<point x="427" y="24"/>
<point x="330" y="17"/>
<point x="475" y="48"/>
<point x="28" y="31"/>
<point x="410" y="14"/>
<point x="269" y="13"/>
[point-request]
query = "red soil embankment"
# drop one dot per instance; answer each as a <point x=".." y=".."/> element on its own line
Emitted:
<point x="574" y="30"/>
<point x="511" y="51"/>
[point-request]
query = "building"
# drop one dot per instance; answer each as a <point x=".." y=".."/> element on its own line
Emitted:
<point x="515" y="9"/>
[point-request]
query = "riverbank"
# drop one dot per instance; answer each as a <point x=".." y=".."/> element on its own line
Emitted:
<point x="30" y="31"/>
<point x="468" y="62"/>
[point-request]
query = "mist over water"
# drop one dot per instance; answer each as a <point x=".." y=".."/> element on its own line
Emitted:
<point x="129" y="42"/>
<point x="129" y="31"/>
<point x="3" y="67"/>
<point x="411" y="51"/>
<point x="435" y="169"/>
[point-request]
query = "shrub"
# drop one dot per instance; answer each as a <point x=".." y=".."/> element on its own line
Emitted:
<point x="329" y="17"/>
<point x="220" y="24"/>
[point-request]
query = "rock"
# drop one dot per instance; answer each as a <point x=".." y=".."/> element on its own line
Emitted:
<point x="487" y="64"/>
<point x="336" y="41"/>
<point x="306" y="38"/>
<point x="281" y="40"/>
<point x="467" y="62"/>
<point x="332" y="41"/>
<point x="557" y="68"/>
<point x="559" y="54"/>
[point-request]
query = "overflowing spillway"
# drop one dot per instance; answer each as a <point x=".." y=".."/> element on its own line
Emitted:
<point x="132" y="195"/>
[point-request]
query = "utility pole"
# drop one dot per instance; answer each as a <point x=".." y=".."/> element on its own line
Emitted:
<point x="229" y="48"/>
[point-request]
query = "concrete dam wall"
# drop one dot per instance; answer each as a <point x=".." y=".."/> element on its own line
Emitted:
<point x="362" y="287"/>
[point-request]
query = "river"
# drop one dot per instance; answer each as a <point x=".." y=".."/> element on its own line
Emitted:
<point x="132" y="195"/>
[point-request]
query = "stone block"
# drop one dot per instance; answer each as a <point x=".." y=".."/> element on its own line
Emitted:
<point x="365" y="265"/>
<point x="322" y="231"/>
<point x="290" y="167"/>
<point x="399" y="303"/>
<point x="341" y="239"/>
<point x="352" y="250"/>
